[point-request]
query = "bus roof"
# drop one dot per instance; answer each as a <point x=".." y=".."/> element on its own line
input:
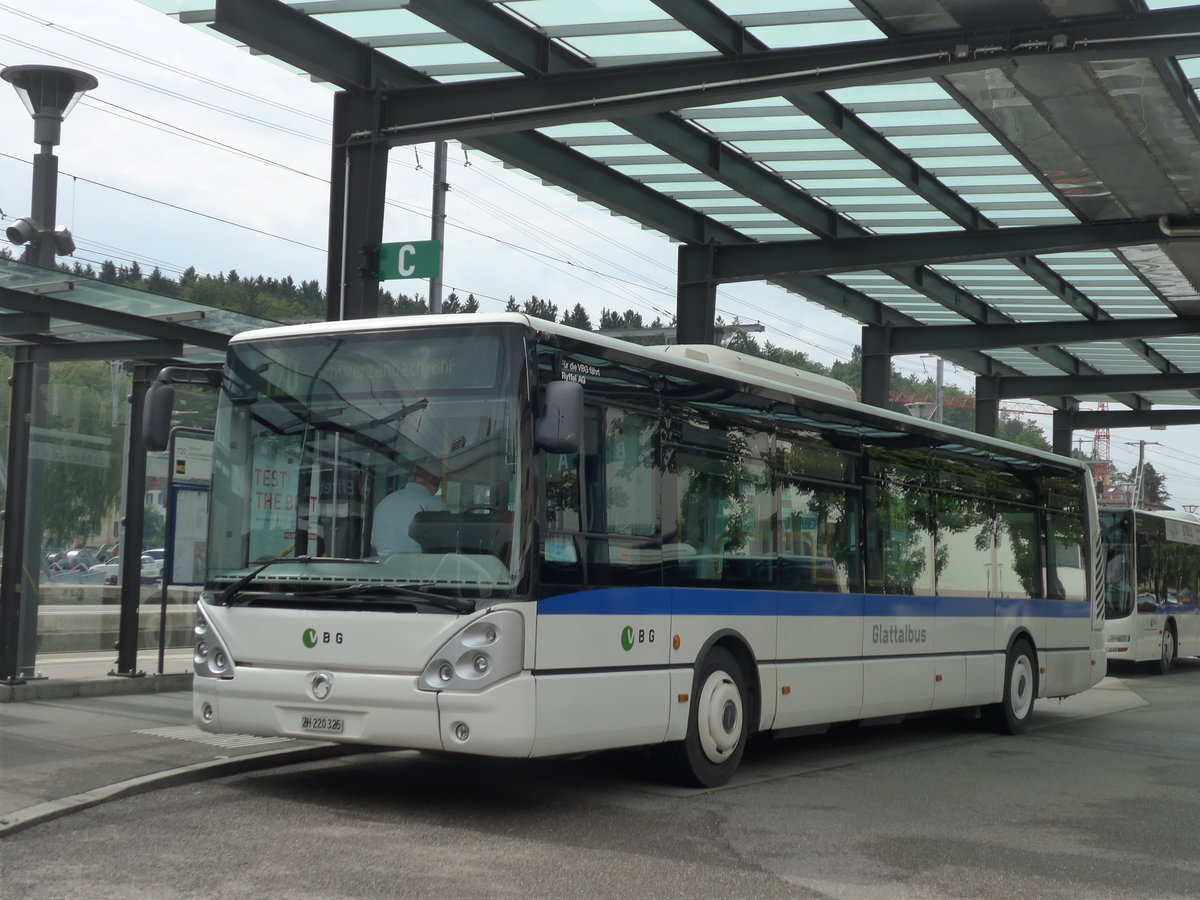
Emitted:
<point x="764" y="373"/>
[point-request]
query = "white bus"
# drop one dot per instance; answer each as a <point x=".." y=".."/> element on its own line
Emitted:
<point x="1152" y="578"/>
<point x="632" y="546"/>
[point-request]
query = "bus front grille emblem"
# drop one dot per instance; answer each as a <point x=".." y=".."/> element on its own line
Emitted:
<point x="322" y="684"/>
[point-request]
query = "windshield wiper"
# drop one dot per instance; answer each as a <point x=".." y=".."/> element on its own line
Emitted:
<point x="235" y="588"/>
<point x="462" y="605"/>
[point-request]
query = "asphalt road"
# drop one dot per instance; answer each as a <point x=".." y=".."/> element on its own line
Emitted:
<point x="1103" y="803"/>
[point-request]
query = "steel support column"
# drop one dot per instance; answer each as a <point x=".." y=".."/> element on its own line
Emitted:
<point x="134" y="523"/>
<point x="987" y="405"/>
<point x="696" y="299"/>
<point x="1063" y="431"/>
<point x="14" y="604"/>
<point x="357" y="181"/>
<point x="876" y="365"/>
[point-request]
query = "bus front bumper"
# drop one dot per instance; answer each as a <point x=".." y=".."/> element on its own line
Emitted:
<point x="368" y="708"/>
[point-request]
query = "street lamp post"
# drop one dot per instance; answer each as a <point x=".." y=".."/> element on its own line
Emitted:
<point x="49" y="93"/>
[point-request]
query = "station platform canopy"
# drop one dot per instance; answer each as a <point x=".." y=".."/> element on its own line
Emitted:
<point x="1009" y="185"/>
<point x="54" y="316"/>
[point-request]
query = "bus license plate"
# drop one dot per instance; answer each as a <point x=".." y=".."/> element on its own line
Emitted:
<point x="323" y="724"/>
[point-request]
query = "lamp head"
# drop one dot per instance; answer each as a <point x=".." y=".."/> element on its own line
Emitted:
<point x="49" y="93"/>
<point x="22" y="231"/>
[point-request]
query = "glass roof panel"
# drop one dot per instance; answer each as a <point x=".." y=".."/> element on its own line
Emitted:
<point x="815" y="33"/>
<point x="626" y="49"/>
<point x="550" y="13"/>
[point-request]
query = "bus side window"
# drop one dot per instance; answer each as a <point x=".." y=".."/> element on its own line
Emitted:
<point x="723" y="521"/>
<point x="1016" y="551"/>
<point x="1066" y="576"/>
<point x="561" y="554"/>
<point x="820" y="542"/>
<point x="602" y="505"/>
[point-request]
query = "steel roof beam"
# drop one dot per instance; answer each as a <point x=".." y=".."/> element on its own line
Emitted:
<point x="747" y="262"/>
<point x="1011" y="387"/>
<point x="498" y="105"/>
<point x="24" y="323"/>
<point x="306" y="43"/>
<point x="1149" y="418"/>
<point x="935" y="338"/>
<point x="85" y="350"/>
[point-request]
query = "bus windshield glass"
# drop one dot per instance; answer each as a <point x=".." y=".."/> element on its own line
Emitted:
<point x="368" y="459"/>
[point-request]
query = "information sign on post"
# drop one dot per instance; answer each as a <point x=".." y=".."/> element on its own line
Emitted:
<point x="411" y="259"/>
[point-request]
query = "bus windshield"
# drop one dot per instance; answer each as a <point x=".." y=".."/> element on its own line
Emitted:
<point x="379" y="458"/>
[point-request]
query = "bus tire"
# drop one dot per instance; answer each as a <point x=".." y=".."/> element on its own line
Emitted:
<point x="1011" y="715"/>
<point x="717" y="725"/>
<point x="1168" y="651"/>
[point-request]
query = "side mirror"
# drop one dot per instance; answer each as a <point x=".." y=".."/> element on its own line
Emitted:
<point x="160" y="401"/>
<point x="559" y="426"/>
<point x="156" y="415"/>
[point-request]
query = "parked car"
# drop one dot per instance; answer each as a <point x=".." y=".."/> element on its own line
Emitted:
<point x="80" y="557"/>
<point x="152" y="565"/>
<point x="107" y="572"/>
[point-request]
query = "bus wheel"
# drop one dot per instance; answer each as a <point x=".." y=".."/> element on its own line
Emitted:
<point x="716" y="734"/>
<point x="1170" y="649"/>
<point x="1011" y="715"/>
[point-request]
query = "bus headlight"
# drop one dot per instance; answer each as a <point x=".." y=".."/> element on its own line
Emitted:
<point x="488" y="650"/>
<point x="210" y="657"/>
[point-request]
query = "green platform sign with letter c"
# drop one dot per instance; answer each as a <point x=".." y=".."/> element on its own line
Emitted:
<point x="410" y="259"/>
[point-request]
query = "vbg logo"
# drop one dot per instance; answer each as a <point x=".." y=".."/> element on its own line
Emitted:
<point x="312" y="637"/>
<point x="629" y="637"/>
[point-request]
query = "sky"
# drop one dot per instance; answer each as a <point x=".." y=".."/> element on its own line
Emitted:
<point x="192" y="152"/>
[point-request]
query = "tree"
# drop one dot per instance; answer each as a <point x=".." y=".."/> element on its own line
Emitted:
<point x="610" y="320"/>
<point x="455" y="304"/>
<point x="541" y="309"/>
<point x="577" y="318"/>
<point x="1023" y="432"/>
<point x="1154" y="487"/>
<point x="402" y="305"/>
<point x="158" y="284"/>
<point x="154" y="527"/>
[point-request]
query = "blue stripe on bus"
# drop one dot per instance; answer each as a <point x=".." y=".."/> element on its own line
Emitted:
<point x="661" y="601"/>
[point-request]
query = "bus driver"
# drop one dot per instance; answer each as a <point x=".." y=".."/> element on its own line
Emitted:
<point x="395" y="512"/>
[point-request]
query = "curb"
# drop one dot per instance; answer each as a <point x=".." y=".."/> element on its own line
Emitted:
<point x="19" y="820"/>
<point x="59" y="689"/>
